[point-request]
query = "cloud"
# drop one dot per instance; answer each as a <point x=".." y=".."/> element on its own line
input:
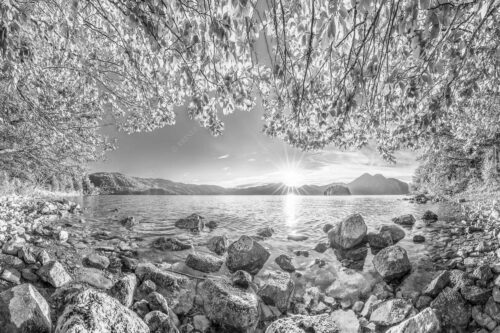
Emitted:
<point x="223" y="157"/>
<point x="252" y="160"/>
<point x="226" y="168"/>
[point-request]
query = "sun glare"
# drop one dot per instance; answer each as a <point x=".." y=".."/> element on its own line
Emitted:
<point x="291" y="176"/>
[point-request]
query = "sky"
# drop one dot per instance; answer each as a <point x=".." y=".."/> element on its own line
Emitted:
<point x="243" y="155"/>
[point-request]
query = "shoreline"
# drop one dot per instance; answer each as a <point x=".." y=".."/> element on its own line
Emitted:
<point x="272" y="302"/>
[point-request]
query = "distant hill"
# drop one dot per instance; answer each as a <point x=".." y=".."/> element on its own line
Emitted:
<point x="337" y="190"/>
<point x="367" y="184"/>
<point x="117" y="183"/>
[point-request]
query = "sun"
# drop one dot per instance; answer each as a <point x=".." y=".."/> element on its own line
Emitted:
<point x="291" y="176"/>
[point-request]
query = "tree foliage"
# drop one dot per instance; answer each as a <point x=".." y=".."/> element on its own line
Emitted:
<point x="398" y="72"/>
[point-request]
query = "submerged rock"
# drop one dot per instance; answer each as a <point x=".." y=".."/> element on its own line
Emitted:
<point x="407" y="219"/>
<point x="395" y="232"/>
<point x="171" y="244"/>
<point x="321" y="247"/>
<point x="93" y="276"/>
<point x="391" y="312"/>
<point x="96" y="260"/>
<point x="229" y="306"/>
<point x="246" y="254"/>
<point x="218" y="244"/>
<point x="128" y="222"/>
<point x="418" y="239"/>
<point x="297" y="238"/>
<point x="54" y="273"/>
<point x="193" y="222"/>
<point x="204" y="262"/>
<point x="392" y="263"/>
<point x="23" y="309"/>
<point x="424" y="322"/>
<point x="430" y="216"/>
<point x="265" y="232"/>
<point x="379" y="240"/>
<point x="277" y="290"/>
<point x="285" y="263"/>
<point x="348" y="233"/>
<point x="94" y="312"/>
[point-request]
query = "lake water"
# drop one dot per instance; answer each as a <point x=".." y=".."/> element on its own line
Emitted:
<point x="239" y="215"/>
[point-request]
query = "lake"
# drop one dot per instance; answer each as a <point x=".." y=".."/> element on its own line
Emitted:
<point x="239" y="215"/>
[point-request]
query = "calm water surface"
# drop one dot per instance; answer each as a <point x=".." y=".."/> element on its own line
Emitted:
<point x="238" y="215"/>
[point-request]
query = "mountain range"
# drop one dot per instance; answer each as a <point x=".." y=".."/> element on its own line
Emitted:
<point x="366" y="184"/>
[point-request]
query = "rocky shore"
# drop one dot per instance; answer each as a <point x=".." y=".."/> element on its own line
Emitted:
<point x="52" y="282"/>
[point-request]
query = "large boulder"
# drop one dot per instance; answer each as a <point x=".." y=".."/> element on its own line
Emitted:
<point x="54" y="274"/>
<point x="396" y="232"/>
<point x="379" y="240"/>
<point x="246" y="254"/>
<point x="23" y="309"/>
<point x="407" y="220"/>
<point x="229" y="306"/>
<point x="178" y="289"/>
<point x="430" y="216"/>
<point x="451" y="308"/>
<point x="94" y="312"/>
<point x="204" y="262"/>
<point x="337" y="190"/>
<point x="277" y="290"/>
<point x="424" y="322"/>
<point x="391" y="312"/>
<point x="348" y="233"/>
<point x="193" y="222"/>
<point x="171" y="244"/>
<point x="392" y="263"/>
<point x="437" y="284"/>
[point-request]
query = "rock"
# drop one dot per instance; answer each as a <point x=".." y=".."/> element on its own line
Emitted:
<point x="246" y="254"/>
<point x="62" y="236"/>
<point x="396" y="232"/>
<point x="391" y="312"/>
<point x="26" y="254"/>
<point x="327" y="227"/>
<point x="43" y="258"/>
<point x="346" y="321"/>
<point x="94" y="312"/>
<point x="407" y="219"/>
<point x="379" y="240"/>
<point x="54" y="273"/>
<point x="159" y="322"/>
<point x="423" y="322"/>
<point x="369" y="305"/>
<point x="11" y="275"/>
<point x="437" y="284"/>
<point x="348" y="233"/>
<point x="141" y="308"/>
<point x="177" y="289"/>
<point x="285" y="263"/>
<point x="277" y="290"/>
<point x="201" y="323"/>
<point x="23" y="310"/>
<point x="451" y="308"/>
<point x="171" y="244"/>
<point x="93" y="276"/>
<point x="193" y="222"/>
<point x="430" y="216"/>
<point x="204" y="262"/>
<point x="482" y="318"/>
<point x="321" y="247"/>
<point x="303" y="253"/>
<point x="29" y="275"/>
<point x="358" y="306"/>
<point x="123" y="290"/>
<point x="265" y="232"/>
<point x="297" y="238"/>
<point x="304" y="324"/>
<point x="392" y="263"/>
<point x="129" y="264"/>
<point x="11" y="261"/>
<point x="492" y="309"/>
<point x="241" y="279"/>
<point x="212" y="225"/>
<point x="157" y="302"/>
<point x="418" y="239"/>
<point x="337" y="190"/>
<point x="12" y="248"/>
<point x="218" y="244"/>
<point x="96" y="260"/>
<point x="459" y="279"/>
<point x="482" y="273"/>
<point x="229" y="306"/>
<point x="475" y="295"/>
<point x="423" y="302"/>
<point x="496" y="294"/>
<point x="128" y="222"/>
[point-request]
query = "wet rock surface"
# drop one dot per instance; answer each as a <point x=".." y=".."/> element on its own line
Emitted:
<point x="348" y="233"/>
<point x="246" y="254"/>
